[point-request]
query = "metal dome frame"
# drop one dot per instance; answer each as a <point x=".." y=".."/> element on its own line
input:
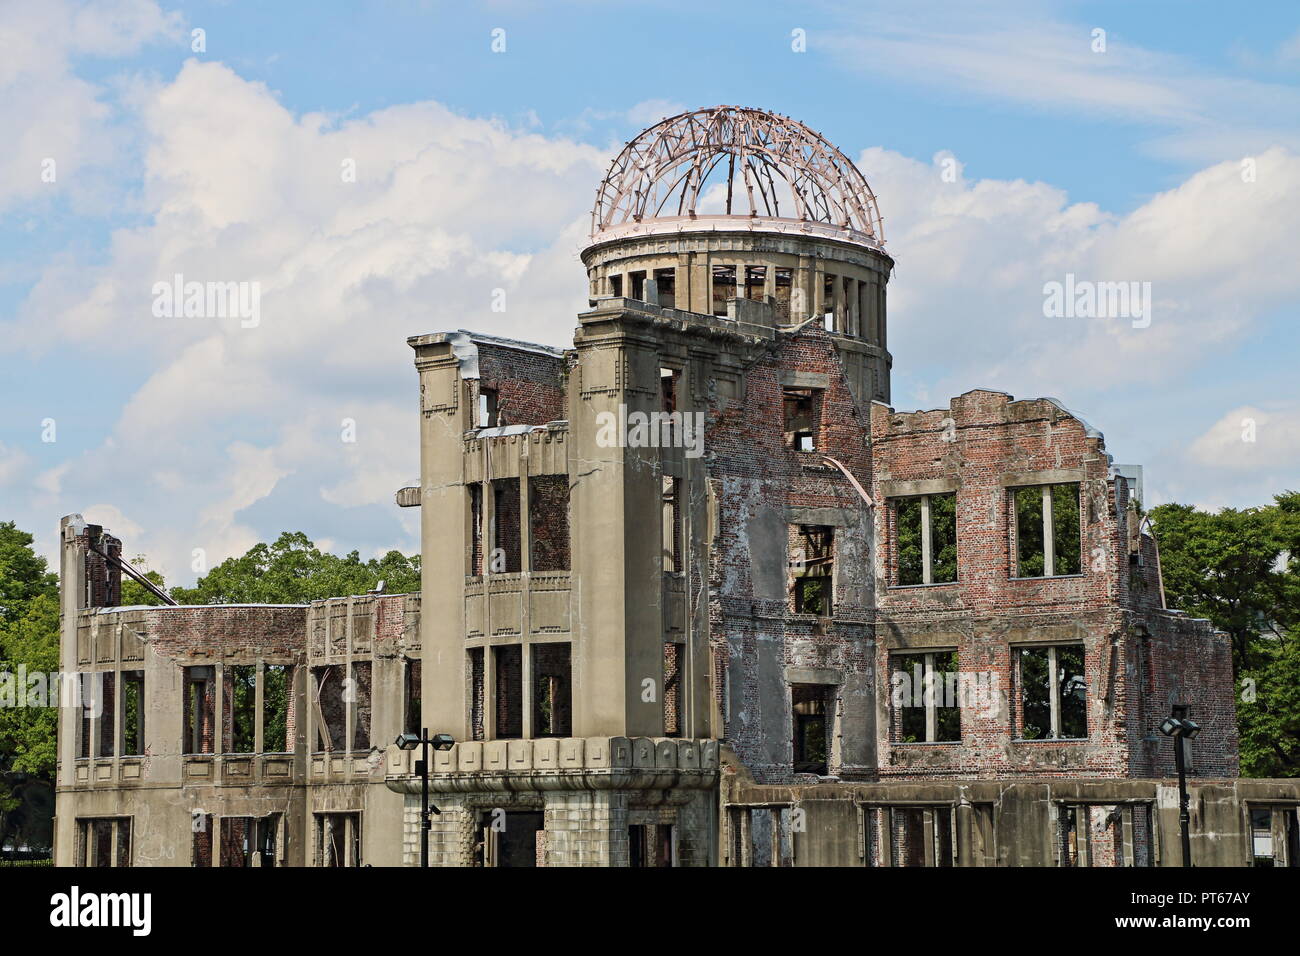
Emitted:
<point x="654" y="185"/>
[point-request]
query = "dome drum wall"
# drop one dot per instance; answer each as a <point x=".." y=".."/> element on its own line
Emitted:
<point x="840" y="285"/>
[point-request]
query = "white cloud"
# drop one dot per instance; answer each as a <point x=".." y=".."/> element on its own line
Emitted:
<point x="973" y="257"/>
<point x="48" y="112"/>
<point x="14" y="464"/>
<point x="228" y="420"/>
<point x="229" y="425"/>
<point x="1251" y="439"/>
<point x="1052" y="66"/>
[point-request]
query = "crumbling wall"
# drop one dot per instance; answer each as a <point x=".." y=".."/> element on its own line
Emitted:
<point x="763" y="487"/>
<point x="529" y="384"/>
<point x="1176" y="659"/>
<point x="982" y="448"/>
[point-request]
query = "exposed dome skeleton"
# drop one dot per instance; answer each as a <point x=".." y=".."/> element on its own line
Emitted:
<point x="752" y="164"/>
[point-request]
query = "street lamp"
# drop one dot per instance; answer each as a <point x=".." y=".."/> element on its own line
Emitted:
<point x="409" y="741"/>
<point x="1181" y="728"/>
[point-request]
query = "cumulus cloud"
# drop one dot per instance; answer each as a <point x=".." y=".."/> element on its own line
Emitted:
<point x="56" y="122"/>
<point x="1250" y="439"/>
<point x="361" y="231"/>
<point x="974" y="257"/>
<point x="356" y="234"/>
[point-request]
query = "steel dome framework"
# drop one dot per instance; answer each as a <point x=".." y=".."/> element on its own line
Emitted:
<point x="774" y="172"/>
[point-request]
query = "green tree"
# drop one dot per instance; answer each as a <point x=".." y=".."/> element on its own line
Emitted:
<point x="1238" y="568"/>
<point x="1268" y="715"/>
<point x="292" y="570"/>
<point x="23" y="573"/>
<point x="1241" y="570"/>
<point x="29" y="639"/>
<point x="133" y="592"/>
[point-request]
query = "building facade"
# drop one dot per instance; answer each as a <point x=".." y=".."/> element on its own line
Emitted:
<point x="693" y="594"/>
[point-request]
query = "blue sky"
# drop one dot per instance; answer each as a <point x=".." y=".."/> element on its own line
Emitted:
<point x="476" y="172"/>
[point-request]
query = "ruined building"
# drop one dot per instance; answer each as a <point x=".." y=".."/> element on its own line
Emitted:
<point x="693" y="594"/>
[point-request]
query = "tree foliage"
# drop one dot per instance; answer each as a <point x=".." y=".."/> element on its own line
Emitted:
<point x="29" y="644"/>
<point x="292" y="570"/>
<point x="1241" y="570"/>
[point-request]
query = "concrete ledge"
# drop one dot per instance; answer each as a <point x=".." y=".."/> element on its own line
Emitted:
<point x="569" y="763"/>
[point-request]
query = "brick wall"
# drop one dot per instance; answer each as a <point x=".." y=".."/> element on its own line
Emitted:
<point x="759" y="483"/>
<point x="529" y="385"/>
<point x="548" y="505"/>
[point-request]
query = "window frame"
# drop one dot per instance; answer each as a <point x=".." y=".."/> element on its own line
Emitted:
<point x="932" y="706"/>
<point x="927" y="541"/>
<point x="1048" y="531"/>
<point x="1054" y="694"/>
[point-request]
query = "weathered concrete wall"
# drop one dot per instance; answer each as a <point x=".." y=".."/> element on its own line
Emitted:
<point x="1010" y="822"/>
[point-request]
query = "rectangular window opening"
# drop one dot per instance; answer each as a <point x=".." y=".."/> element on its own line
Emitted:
<point x="672" y="524"/>
<point x="506" y="527"/>
<point x="487" y="408"/>
<point x="552" y="691"/>
<point x="237" y="844"/>
<point x="810" y="706"/>
<point x="201" y="839"/>
<point x="672" y="689"/>
<point x="926" y="539"/>
<point x="199" y="709"/>
<point x="1049" y="539"/>
<point x="812" y="569"/>
<point x="132" y="713"/>
<point x="241" y="709"/>
<point x="360" y="701"/>
<point x="548" y="507"/>
<point x="277" y="729"/>
<point x="666" y="287"/>
<point x="1053" y="692"/>
<point x="475" y="555"/>
<point x="508" y="699"/>
<point x="103" y="842"/>
<point x="724" y="288"/>
<point x="338" y="839"/>
<point x="925" y="697"/>
<point x="105" y="741"/>
<point x="920" y="836"/>
<point x="783" y="285"/>
<point x="412" y="693"/>
<point x="476" y="695"/>
<point x="514" y="838"/>
<point x="331" y="707"/>
<point x="800" y="411"/>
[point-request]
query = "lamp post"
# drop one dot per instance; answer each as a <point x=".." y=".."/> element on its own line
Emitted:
<point x="1181" y="729"/>
<point x="422" y="740"/>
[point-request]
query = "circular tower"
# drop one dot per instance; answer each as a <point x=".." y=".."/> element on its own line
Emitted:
<point x="734" y="203"/>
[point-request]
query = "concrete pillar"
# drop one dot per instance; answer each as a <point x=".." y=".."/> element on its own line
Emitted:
<point x="618" y="640"/>
<point x="701" y="300"/>
<point x="259" y="743"/>
<point x="444" y="520"/>
<point x="965" y="843"/>
<point x="808" y="290"/>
